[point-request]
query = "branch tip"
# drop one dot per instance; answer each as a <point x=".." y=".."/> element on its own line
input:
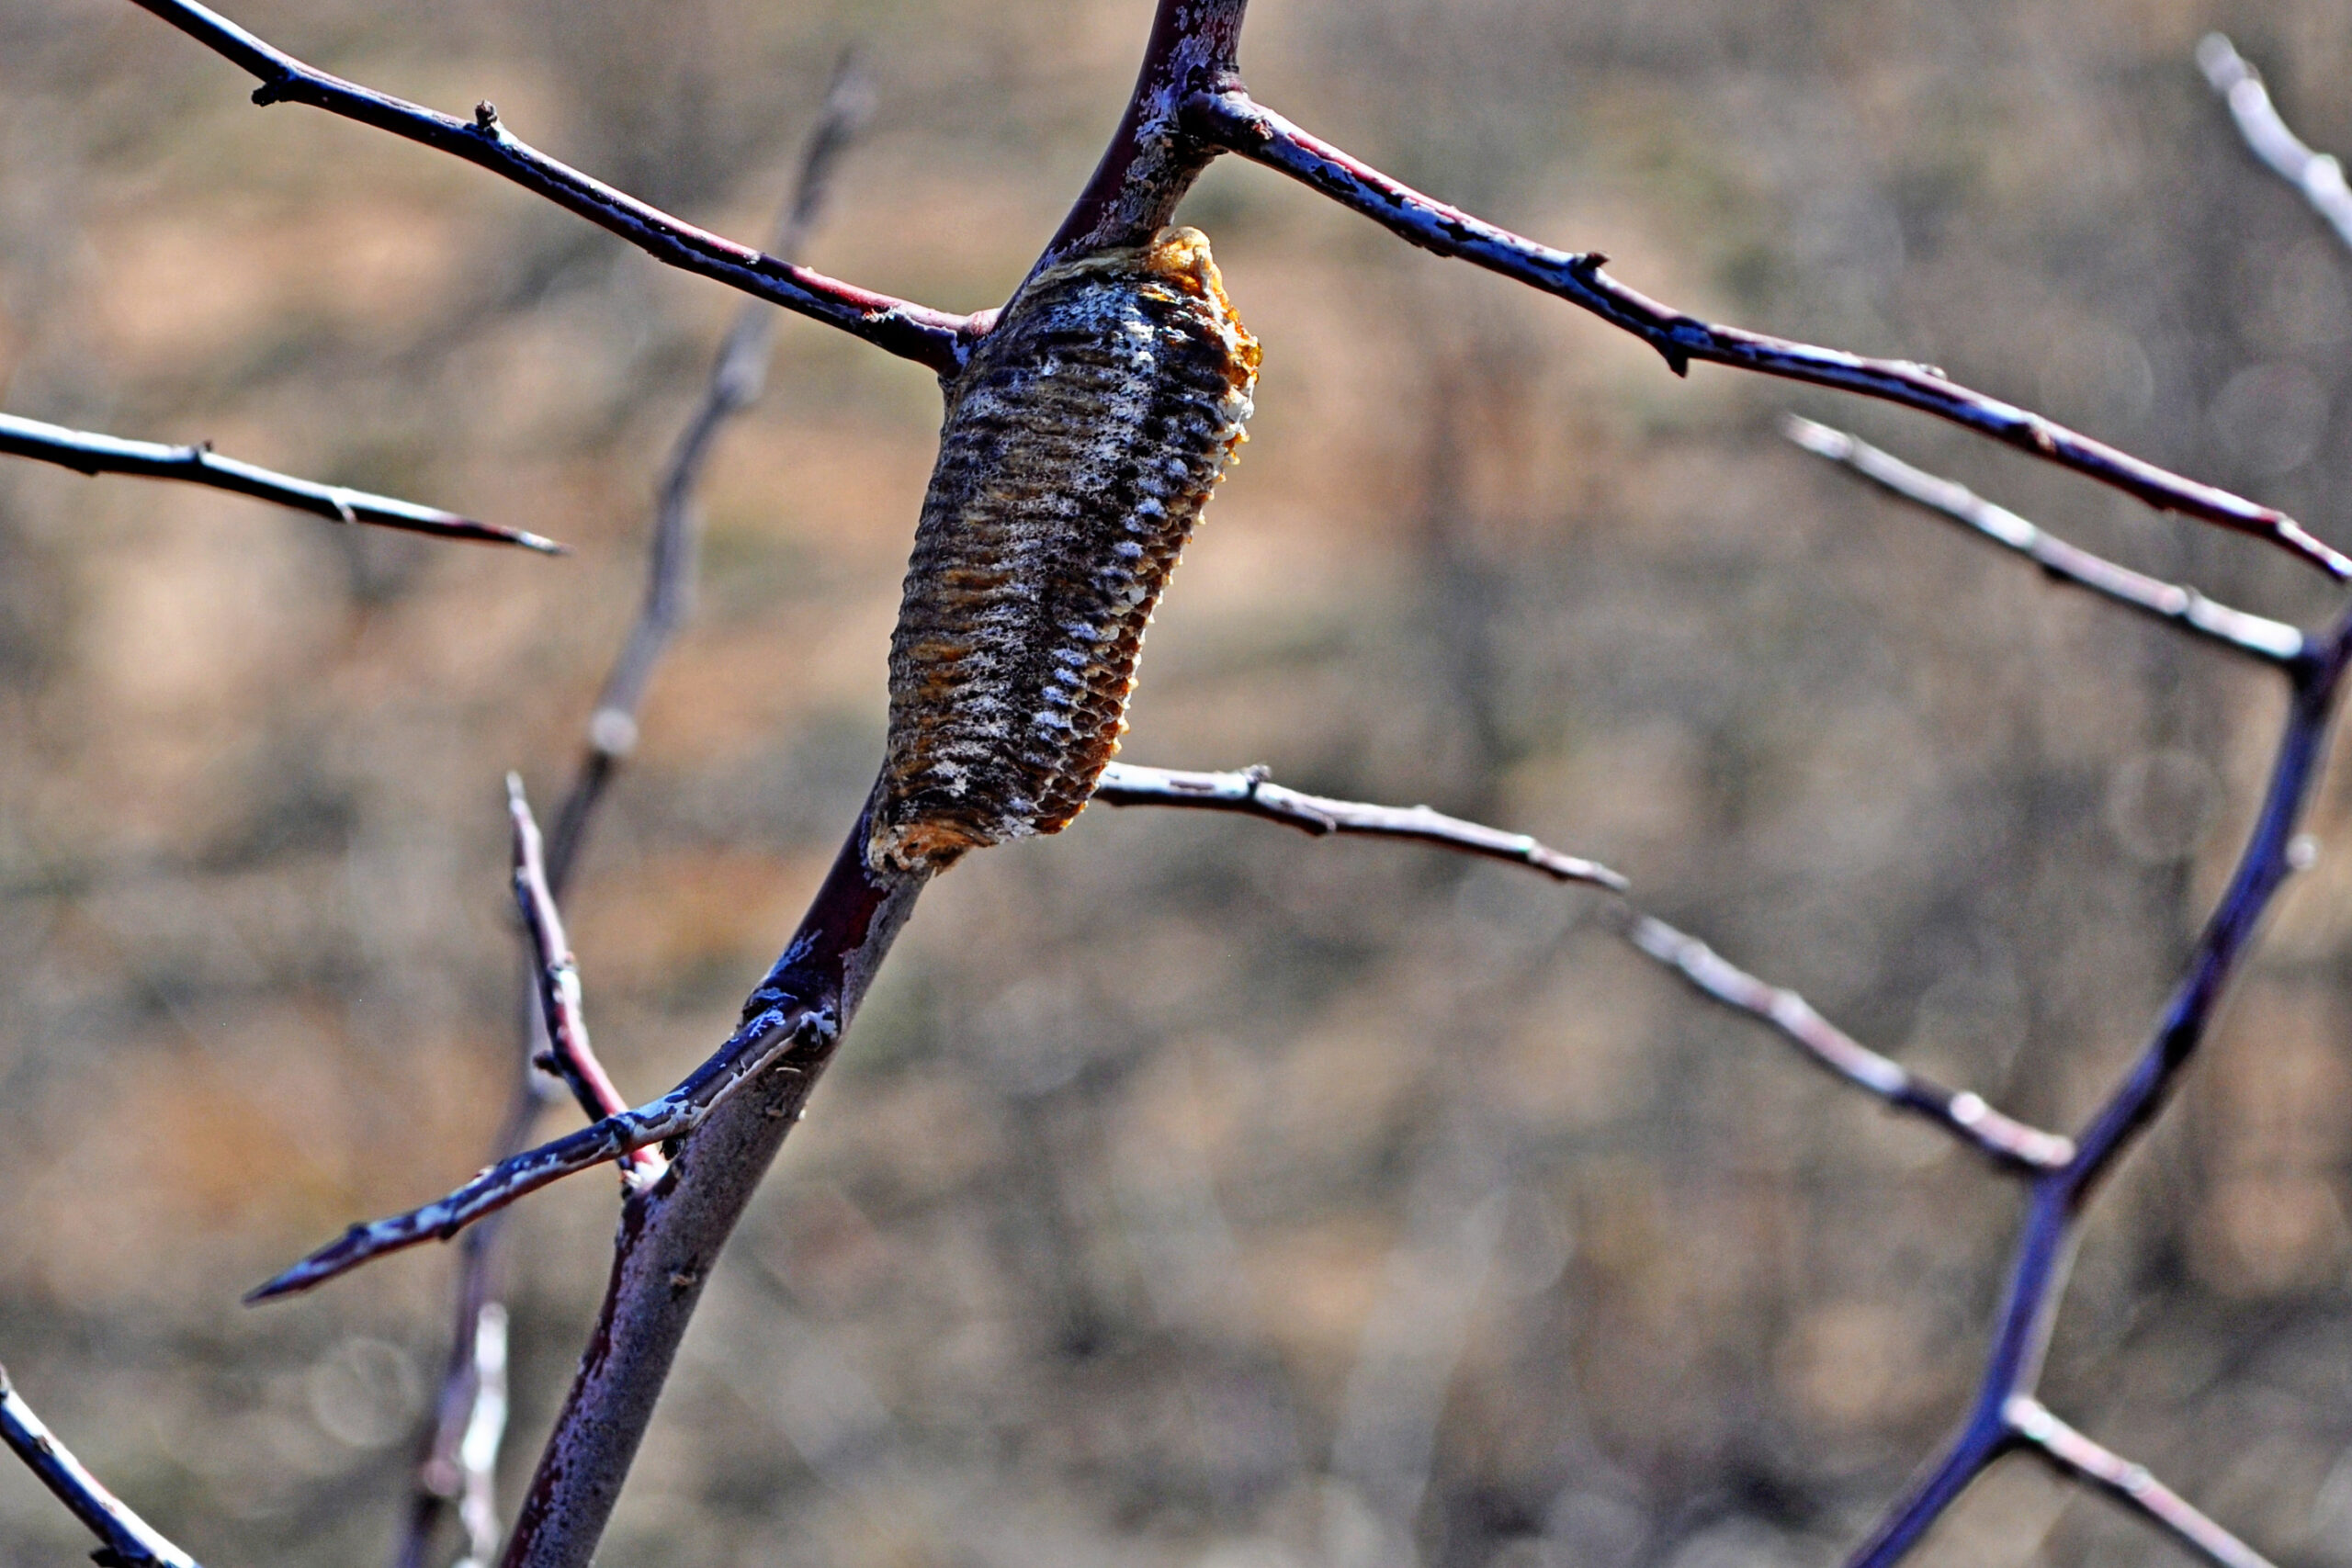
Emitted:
<point x="2009" y="1144"/>
<point x="2078" y="1457"/>
<point x="933" y="338"/>
<point x="126" y="1540"/>
<point x="87" y="452"/>
<point x="2184" y="609"/>
<point x="1231" y="120"/>
<point x="1251" y="792"/>
<point x="2317" y="177"/>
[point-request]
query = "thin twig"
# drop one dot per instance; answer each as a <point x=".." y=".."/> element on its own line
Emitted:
<point x="2314" y="669"/>
<point x="738" y="375"/>
<point x="2272" y="855"/>
<point x="2273" y="642"/>
<point x="457" y="1458"/>
<point x="485" y="1429"/>
<point x="1231" y="119"/>
<point x="129" y="1542"/>
<point x="2319" y="175"/>
<point x="1966" y="1116"/>
<point x="460" y="1462"/>
<point x="2073" y="1455"/>
<point x="569" y="1054"/>
<point x="1251" y="794"/>
<point x="88" y="453"/>
<point x="929" y="337"/>
<point x="2002" y="1139"/>
<point x="765" y="1038"/>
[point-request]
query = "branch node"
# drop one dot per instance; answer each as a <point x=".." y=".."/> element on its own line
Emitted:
<point x="613" y="732"/>
<point x="486" y="117"/>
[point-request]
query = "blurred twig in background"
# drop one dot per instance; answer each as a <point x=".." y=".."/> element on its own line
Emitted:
<point x="2319" y="175"/>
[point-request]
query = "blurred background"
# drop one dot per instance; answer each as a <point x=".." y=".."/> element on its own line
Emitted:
<point x="1190" y="1193"/>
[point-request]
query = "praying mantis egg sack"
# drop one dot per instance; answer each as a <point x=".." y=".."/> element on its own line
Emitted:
<point x="1080" y="444"/>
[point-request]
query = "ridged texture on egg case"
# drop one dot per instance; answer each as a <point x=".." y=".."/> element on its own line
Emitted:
<point x="1080" y="444"/>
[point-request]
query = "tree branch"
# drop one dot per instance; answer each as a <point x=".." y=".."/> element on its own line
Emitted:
<point x="738" y="375"/>
<point x="88" y="453"/>
<point x="2073" y="1455"/>
<point x="2271" y="857"/>
<point x="557" y="975"/>
<point x="929" y="337"/>
<point x="458" y="1461"/>
<point x="485" y="1430"/>
<point x="2007" y="1143"/>
<point x="1153" y="157"/>
<point x="1232" y="120"/>
<point x="2186" y="609"/>
<point x="461" y="1451"/>
<point x="128" y="1540"/>
<point x="2317" y="174"/>
<point x="1251" y="794"/>
<point x="671" y="1233"/>
<point x="2045" y="1245"/>
<point x="764" y="1041"/>
<point x="727" y="1120"/>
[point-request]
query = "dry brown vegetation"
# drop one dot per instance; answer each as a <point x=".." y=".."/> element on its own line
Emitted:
<point x="1189" y="1193"/>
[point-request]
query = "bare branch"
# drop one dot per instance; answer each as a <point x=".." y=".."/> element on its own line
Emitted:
<point x="2271" y="855"/>
<point x="485" y="1429"/>
<point x="129" y="1542"/>
<point x="1936" y="1489"/>
<point x="2073" y="1455"/>
<point x="1153" y="158"/>
<point x="88" y="453"/>
<point x="761" y="1044"/>
<point x="1232" y="120"/>
<point x="1187" y="104"/>
<point x="2317" y="174"/>
<point x="461" y="1461"/>
<point x="569" y="1055"/>
<point x="460" y="1452"/>
<point x="791" y="1025"/>
<point x="459" y="1458"/>
<point x="2273" y="642"/>
<point x="671" y="1233"/>
<point x="1251" y="794"/>
<point x="736" y="376"/>
<point x="929" y="337"/>
<point x="2037" y="1269"/>
<point x="2007" y="1142"/>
